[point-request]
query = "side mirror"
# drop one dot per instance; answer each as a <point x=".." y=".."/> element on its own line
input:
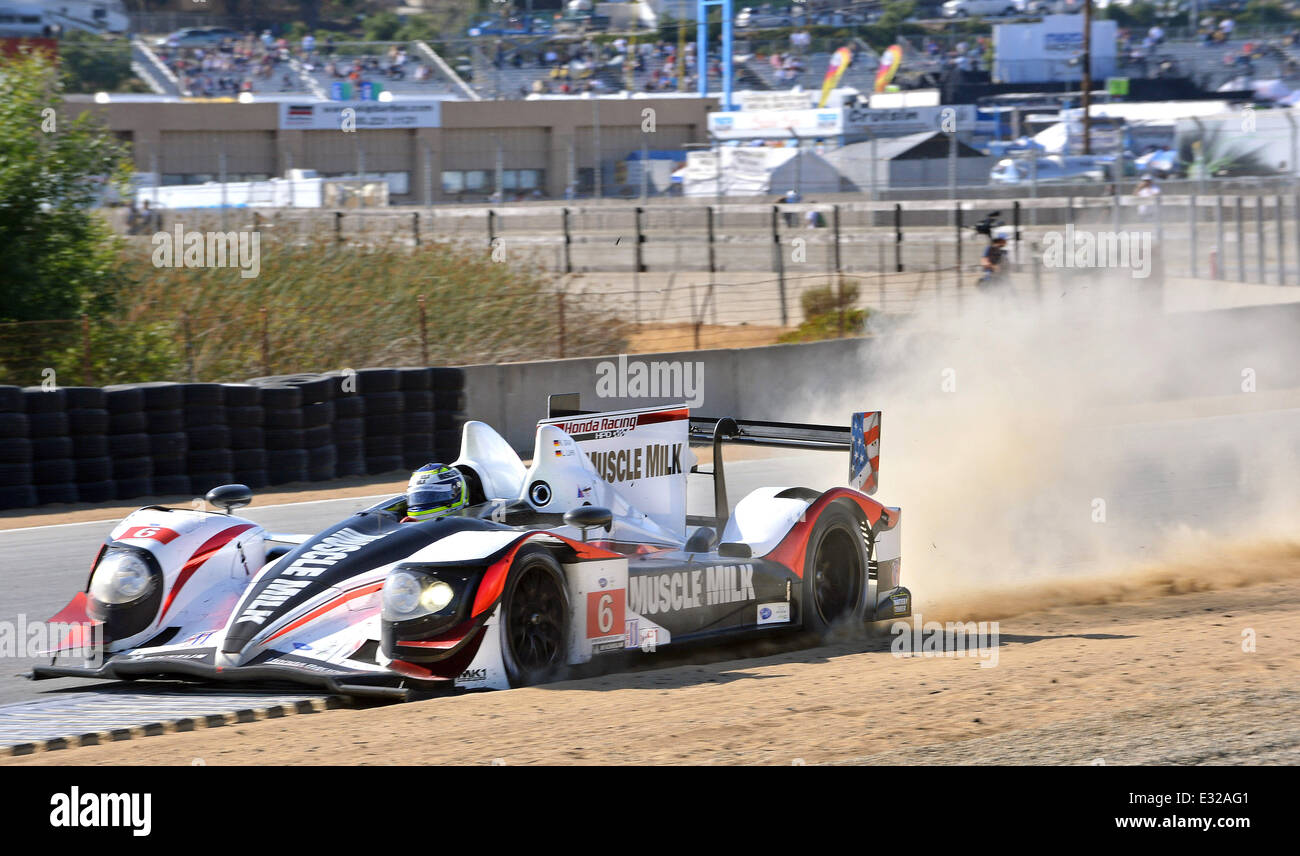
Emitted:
<point x="586" y="517"/>
<point x="230" y="496"/>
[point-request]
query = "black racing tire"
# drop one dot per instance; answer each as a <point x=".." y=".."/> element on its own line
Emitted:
<point x="169" y="445"/>
<point x="316" y="415"/>
<point x="417" y="401"/>
<point x="14" y="425"/>
<point x="244" y="460"/>
<point x="46" y="448"/>
<point x="11" y="399"/>
<point x="17" y="497"/>
<point x="128" y="422"/>
<point x="201" y="483"/>
<point x="130" y="488"/>
<point x="417" y="423"/>
<point x="93" y="470"/>
<point x="349" y="430"/>
<point x="282" y="439"/>
<point x="209" y="437"/>
<point x="201" y="395"/>
<point x="16" y="450"/>
<point x="204" y="415"/>
<point x="243" y="395"/>
<point x="57" y="471"/>
<point x="171" y="485"/>
<point x="349" y="406"/>
<point x="133" y="469"/>
<point x="252" y="478"/>
<point x="281" y="397"/>
<point x="97" y="491"/>
<point x="383" y="444"/>
<point x="165" y="421"/>
<point x="453" y="379"/>
<point x="370" y="381"/>
<point x="447" y="399"/>
<point x="60" y="492"/>
<point x="384" y="403"/>
<point x="90" y="446"/>
<point x="123" y="398"/>
<point x="50" y="424"/>
<point x="412" y="378"/>
<point x="835" y="569"/>
<point x="210" y="460"/>
<point x="283" y="417"/>
<point x="451" y="420"/>
<point x="247" y="438"/>
<point x="245" y="417"/>
<point x="315" y="388"/>
<point x="22" y="473"/>
<point x="87" y="421"/>
<point x="85" y="397"/>
<point x="161" y="395"/>
<point x="38" y="400"/>
<point x="380" y="464"/>
<point x="533" y="618"/>
<point x="128" y="445"/>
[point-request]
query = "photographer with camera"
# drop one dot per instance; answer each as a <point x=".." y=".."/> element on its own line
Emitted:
<point x="993" y="259"/>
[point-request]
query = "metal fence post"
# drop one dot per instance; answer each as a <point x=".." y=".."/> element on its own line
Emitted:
<point x="415" y="227"/>
<point x="898" y="238"/>
<point x="713" y="262"/>
<point x="491" y="227"/>
<point x="338" y="227"/>
<point x="779" y="259"/>
<point x="835" y="222"/>
<point x="1241" y="240"/>
<point x="1191" y="236"/>
<point x="1281" y="237"/>
<point x="1218" y="233"/>
<point x="424" y="332"/>
<point x="956" y="219"/>
<point x="568" y="240"/>
<point x="1259" y="237"/>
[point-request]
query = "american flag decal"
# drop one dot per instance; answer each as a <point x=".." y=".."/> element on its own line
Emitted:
<point x="864" y="451"/>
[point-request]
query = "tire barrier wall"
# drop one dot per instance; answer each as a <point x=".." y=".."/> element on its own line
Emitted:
<point x="86" y="444"/>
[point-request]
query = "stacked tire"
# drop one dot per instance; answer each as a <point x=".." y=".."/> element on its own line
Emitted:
<point x="169" y="445"/>
<point x="384" y="403"/>
<point x="53" y="472"/>
<point x="208" y="459"/>
<point x="449" y="411"/>
<point x="349" y="426"/>
<point x="418" y="423"/>
<point x="16" y="490"/>
<point x="246" y="418"/>
<point x="286" y="458"/>
<point x="129" y="443"/>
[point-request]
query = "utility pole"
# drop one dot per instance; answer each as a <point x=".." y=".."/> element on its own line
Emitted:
<point x="1087" y="77"/>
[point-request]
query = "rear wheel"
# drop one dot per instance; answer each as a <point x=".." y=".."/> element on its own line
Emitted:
<point x="834" y="570"/>
<point x="534" y="618"/>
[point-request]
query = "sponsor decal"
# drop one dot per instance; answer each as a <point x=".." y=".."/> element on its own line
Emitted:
<point x="153" y="533"/>
<point x="604" y="612"/>
<point x="773" y="613"/>
<point x="472" y="676"/>
<point x="198" y="639"/>
<point x="901" y="603"/>
<point x="327" y="552"/>
<point x="629" y="465"/>
<point x="276" y="593"/>
<point x="714" y="585"/>
<point x="609" y="647"/>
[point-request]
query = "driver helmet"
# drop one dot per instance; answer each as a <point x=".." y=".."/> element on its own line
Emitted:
<point x="435" y="489"/>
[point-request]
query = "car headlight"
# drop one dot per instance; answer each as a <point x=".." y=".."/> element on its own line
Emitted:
<point x="121" y="577"/>
<point x="410" y="593"/>
<point x="402" y="594"/>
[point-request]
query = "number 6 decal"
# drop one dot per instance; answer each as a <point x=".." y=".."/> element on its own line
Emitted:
<point x="605" y="613"/>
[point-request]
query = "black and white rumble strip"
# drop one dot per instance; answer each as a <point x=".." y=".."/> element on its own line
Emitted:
<point x="106" y="716"/>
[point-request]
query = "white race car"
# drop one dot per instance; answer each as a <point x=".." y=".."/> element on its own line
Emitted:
<point x="589" y="551"/>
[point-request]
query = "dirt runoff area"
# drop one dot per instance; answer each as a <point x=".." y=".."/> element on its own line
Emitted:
<point x="1178" y="664"/>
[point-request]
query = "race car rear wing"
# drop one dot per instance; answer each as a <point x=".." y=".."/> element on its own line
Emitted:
<point x="861" y="439"/>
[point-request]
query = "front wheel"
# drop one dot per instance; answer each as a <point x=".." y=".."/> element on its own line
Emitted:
<point x="534" y="618"/>
<point x="834" y="570"/>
